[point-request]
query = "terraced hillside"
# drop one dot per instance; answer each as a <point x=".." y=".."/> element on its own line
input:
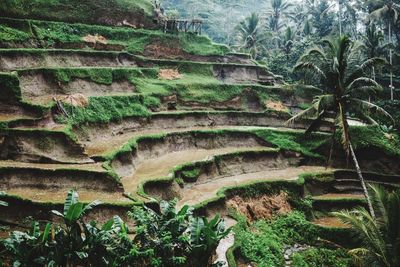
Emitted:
<point x="149" y="116"/>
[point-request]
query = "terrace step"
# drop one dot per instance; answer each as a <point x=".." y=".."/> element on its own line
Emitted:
<point x="330" y="222"/>
<point x="50" y="182"/>
<point x="41" y="145"/>
<point x="201" y="192"/>
<point x="336" y="196"/>
<point x="351" y="188"/>
<point x="162" y="166"/>
<point x="17" y="59"/>
<point x="14" y="112"/>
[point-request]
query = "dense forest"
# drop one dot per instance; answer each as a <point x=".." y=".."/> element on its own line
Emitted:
<point x="277" y="32"/>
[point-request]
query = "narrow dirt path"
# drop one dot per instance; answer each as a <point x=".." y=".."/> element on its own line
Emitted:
<point x="161" y="167"/>
<point x="111" y="143"/>
<point x="330" y="222"/>
<point x="57" y="195"/>
<point x="96" y="167"/>
<point x="200" y="192"/>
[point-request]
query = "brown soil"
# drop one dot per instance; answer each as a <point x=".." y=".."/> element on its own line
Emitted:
<point x="169" y="74"/>
<point x="11" y="112"/>
<point x="264" y="207"/>
<point x="76" y="100"/>
<point x="330" y="222"/>
<point x="96" y="167"/>
<point x="56" y="148"/>
<point x="93" y="39"/>
<point x="338" y="196"/>
<point x="200" y="192"/>
<point x="64" y="59"/>
<point x="158" y="50"/>
<point x="37" y="89"/>
<point x="107" y="144"/>
<point x="276" y="105"/>
<point x="58" y="195"/>
<point x="160" y="167"/>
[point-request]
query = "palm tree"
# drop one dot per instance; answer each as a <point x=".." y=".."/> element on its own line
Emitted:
<point x="250" y="35"/>
<point x="279" y="8"/>
<point x="387" y="12"/>
<point x="342" y="82"/>
<point x="321" y="17"/>
<point x="380" y="237"/>
<point x="372" y="44"/>
<point x="288" y="40"/>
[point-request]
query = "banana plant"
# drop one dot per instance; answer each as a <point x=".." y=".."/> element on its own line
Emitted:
<point x="73" y="209"/>
<point x="30" y="249"/>
<point x="70" y="239"/>
<point x="205" y="236"/>
<point x="107" y="245"/>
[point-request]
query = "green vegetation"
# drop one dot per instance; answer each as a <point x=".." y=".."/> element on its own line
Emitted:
<point x="168" y="238"/>
<point x="263" y="241"/>
<point x="58" y="34"/>
<point x="8" y="34"/>
<point x="343" y="87"/>
<point x="103" y="110"/>
<point x="379" y="236"/>
<point x="76" y="11"/>
<point x="294" y="140"/>
<point x="316" y="257"/>
<point x="9" y="87"/>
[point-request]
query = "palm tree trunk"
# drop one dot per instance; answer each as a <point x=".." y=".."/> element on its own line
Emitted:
<point x="360" y="176"/>
<point x="328" y="162"/>
<point x="340" y="18"/>
<point x="391" y="61"/>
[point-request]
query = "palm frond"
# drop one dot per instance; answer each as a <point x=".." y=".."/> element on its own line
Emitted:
<point x="308" y="113"/>
<point x="356" y="84"/>
<point x="370" y="107"/>
<point x="309" y="66"/>
<point x="360" y="70"/>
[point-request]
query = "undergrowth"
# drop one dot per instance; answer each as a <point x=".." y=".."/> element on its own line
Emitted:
<point x="103" y="110"/>
<point x="263" y="242"/>
<point x="51" y="34"/>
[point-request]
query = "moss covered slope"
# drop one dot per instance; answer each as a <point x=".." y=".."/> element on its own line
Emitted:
<point x="110" y="12"/>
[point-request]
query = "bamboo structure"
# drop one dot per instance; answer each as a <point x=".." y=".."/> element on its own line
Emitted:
<point x="183" y="25"/>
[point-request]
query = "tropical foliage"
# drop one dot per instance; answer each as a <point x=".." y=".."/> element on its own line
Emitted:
<point x="168" y="238"/>
<point x="336" y="68"/>
<point x="380" y="237"/>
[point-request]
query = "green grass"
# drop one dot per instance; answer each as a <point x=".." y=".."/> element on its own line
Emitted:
<point x="9" y="87"/>
<point x="263" y="242"/>
<point x="294" y="141"/>
<point x="106" y="109"/>
<point x="372" y="138"/>
<point x="90" y="11"/>
<point x="8" y="34"/>
<point x="51" y="34"/>
<point x="316" y="257"/>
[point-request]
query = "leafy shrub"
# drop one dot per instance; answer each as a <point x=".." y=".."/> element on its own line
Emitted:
<point x="167" y="238"/>
<point x="317" y="257"/>
<point x="263" y="242"/>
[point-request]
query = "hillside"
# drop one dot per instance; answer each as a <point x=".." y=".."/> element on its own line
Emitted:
<point x="131" y="116"/>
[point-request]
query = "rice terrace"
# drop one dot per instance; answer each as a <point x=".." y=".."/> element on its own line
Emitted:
<point x="188" y="133"/>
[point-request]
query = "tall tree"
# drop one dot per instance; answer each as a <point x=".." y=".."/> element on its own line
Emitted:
<point x="372" y="44"/>
<point x="250" y="35"/>
<point x="387" y="12"/>
<point x="342" y="81"/>
<point x="279" y="8"/>
<point x="321" y="16"/>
